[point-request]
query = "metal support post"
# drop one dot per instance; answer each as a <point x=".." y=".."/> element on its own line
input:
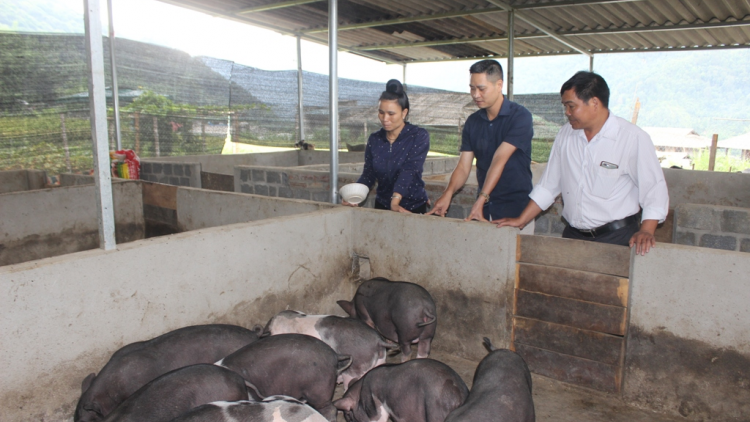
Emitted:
<point x="591" y="63"/>
<point x="98" y="104"/>
<point x="300" y="96"/>
<point x="115" y="90"/>
<point x="511" y="33"/>
<point x="403" y="79"/>
<point x="333" y="84"/>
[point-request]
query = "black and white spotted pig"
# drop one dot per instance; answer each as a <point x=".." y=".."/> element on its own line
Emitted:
<point x="292" y="365"/>
<point x="134" y="365"/>
<point x="347" y="336"/>
<point x="501" y="390"/>
<point x="274" y="408"/>
<point x="400" y="311"/>
<point x="421" y="390"/>
<point x="176" y="392"/>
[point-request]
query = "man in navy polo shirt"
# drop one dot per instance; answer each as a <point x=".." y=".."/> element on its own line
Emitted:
<point x="499" y="136"/>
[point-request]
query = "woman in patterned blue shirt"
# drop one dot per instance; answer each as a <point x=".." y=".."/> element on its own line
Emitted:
<point x="395" y="155"/>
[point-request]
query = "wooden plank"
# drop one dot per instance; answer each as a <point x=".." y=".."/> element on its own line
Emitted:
<point x="216" y="181"/>
<point x="571" y="341"/>
<point x="574" y="313"/>
<point x="573" y="284"/>
<point x="576" y="255"/>
<point x="583" y="372"/>
<point x="164" y="196"/>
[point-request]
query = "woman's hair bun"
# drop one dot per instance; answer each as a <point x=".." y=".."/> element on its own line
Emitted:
<point x="394" y="86"/>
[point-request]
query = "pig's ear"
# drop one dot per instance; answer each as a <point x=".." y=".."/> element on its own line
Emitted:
<point x="87" y="382"/>
<point x="348" y="307"/>
<point x="345" y="404"/>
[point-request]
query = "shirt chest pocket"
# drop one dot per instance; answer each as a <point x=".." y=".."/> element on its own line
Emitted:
<point x="604" y="181"/>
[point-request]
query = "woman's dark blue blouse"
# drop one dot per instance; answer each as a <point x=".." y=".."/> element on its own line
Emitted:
<point x="397" y="167"/>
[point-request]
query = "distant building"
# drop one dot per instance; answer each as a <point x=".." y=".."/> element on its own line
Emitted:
<point x="675" y="147"/>
<point x="741" y="142"/>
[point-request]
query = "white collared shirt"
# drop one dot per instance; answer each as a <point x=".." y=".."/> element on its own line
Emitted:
<point x="607" y="179"/>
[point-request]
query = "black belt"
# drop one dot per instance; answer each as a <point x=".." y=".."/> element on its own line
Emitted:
<point x="609" y="227"/>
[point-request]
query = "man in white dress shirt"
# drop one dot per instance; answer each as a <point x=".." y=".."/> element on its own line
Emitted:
<point x="606" y="170"/>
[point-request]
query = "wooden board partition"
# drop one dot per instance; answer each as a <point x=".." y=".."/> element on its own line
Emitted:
<point x="159" y="195"/>
<point x="570" y="310"/>
<point x="575" y="254"/>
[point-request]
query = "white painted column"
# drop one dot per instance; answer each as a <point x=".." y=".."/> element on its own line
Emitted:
<point x="300" y="96"/>
<point x="333" y="84"/>
<point x="98" y="104"/>
<point x="115" y="89"/>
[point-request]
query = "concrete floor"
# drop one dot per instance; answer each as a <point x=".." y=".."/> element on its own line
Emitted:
<point x="556" y="401"/>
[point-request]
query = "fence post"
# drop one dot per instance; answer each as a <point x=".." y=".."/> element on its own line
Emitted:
<point x="712" y="155"/>
<point x="65" y="142"/>
<point x="137" y="117"/>
<point x="203" y="131"/>
<point x="156" y="137"/>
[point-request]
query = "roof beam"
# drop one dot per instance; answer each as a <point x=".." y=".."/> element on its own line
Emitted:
<point x="274" y="6"/>
<point x="442" y="42"/>
<point x="408" y="19"/>
<point x="538" y="25"/>
<point x="658" y="28"/>
<point x="607" y="31"/>
<point x="597" y="51"/>
<point x="563" y="3"/>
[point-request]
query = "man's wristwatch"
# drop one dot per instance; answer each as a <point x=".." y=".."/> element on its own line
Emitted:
<point x="485" y="196"/>
<point x="395" y="196"/>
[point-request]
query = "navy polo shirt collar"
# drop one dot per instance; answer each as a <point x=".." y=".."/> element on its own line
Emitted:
<point x="504" y="110"/>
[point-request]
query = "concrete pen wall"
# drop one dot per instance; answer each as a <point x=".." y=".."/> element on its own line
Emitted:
<point x="468" y="268"/>
<point x="63" y="317"/>
<point x="688" y="346"/>
<point x="49" y="222"/>
<point x="22" y="180"/>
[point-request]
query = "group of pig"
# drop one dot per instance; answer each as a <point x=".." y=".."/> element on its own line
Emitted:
<point x="288" y="370"/>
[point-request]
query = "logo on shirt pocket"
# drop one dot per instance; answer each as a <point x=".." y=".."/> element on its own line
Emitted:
<point x="605" y="180"/>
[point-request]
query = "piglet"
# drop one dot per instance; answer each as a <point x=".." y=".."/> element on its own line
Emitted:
<point x="501" y="390"/>
<point x="274" y="408"/>
<point x="134" y="365"/>
<point x="347" y="336"/>
<point x="293" y="365"/>
<point x="422" y="390"/>
<point x="400" y="311"/>
<point x="176" y="392"/>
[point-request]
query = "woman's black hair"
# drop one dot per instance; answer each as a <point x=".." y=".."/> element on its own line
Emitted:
<point x="395" y="91"/>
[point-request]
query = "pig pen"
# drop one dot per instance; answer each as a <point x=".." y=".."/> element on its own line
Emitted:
<point x="51" y="222"/>
<point x="684" y="350"/>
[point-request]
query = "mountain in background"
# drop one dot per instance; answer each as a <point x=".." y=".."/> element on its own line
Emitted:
<point x="690" y="89"/>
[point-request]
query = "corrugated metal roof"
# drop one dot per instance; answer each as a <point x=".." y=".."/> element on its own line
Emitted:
<point x="408" y="31"/>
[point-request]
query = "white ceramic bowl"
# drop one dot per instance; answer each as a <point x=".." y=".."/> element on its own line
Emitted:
<point x="354" y="193"/>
